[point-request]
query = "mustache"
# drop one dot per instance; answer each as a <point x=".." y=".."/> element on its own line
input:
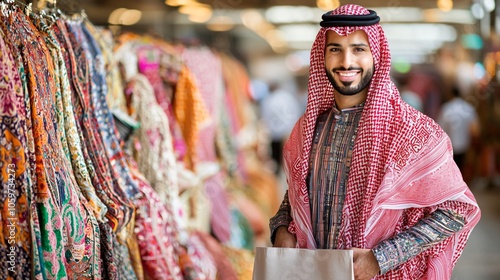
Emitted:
<point x="347" y="69"/>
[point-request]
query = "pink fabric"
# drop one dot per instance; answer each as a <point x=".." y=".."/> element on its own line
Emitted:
<point x="402" y="161"/>
<point x="202" y="61"/>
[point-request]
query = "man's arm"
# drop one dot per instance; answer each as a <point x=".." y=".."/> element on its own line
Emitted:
<point x="280" y="236"/>
<point x="429" y="231"/>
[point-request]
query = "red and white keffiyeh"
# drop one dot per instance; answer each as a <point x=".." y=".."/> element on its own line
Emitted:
<point x="402" y="166"/>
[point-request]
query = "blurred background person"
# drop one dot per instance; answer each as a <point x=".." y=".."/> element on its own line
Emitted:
<point x="280" y="109"/>
<point x="459" y="120"/>
<point x="408" y="95"/>
<point x="426" y="82"/>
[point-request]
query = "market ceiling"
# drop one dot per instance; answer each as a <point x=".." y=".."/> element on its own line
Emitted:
<point x="288" y="25"/>
<point x="99" y="10"/>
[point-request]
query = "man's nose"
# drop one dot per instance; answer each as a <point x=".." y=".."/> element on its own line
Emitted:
<point x="346" y="61"/>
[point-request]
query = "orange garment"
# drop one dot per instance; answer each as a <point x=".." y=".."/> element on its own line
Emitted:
<point x="237" y="85"/>
<point x="190" y="112"/>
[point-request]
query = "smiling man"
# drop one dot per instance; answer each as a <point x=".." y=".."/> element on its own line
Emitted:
<point x="365" y="170"/>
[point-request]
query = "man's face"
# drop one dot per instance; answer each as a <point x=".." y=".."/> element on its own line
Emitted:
<point x="348" y="62"/>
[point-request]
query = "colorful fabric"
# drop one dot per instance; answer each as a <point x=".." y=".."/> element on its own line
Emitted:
<point x="130" y="254"/>
<point x="76" y="63"/>
<point x="69" y="242"/>
<point x="168" y="233"/>
<point x="115" y="97"/>
<point x="150" y="65"/>
<point x="201" y="61"/>
<point x="67" y="123"/>
<point x="225" y="269"/>
<point x="16" y="239"/>
<point x="398" y="154"/>
<point x="237" y="86"/>
<point x="121" y="209"/>
<point x="154" y="150"/>
<point x="156" y="234"/>
<point x="30" y="151"/>
<point x="190" y="113"/>
<point x="238" y="113"/>
<point x="202" y="258"/>
<point x="105" y="126"/>
<point x="112" y="251"/>
<point x="242" y="261"/>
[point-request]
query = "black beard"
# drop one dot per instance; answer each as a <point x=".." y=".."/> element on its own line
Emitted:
<point x="345" y="88"/>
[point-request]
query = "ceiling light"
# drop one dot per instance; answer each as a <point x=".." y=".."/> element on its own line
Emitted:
<point x="176" y="3"/>
<point x="288" y="14"/>
<point x="327" y="5"/>
<point x="477" y="11"/>
<point x="197" y="12"/>
<point x="220" y="23"/>
<point x="122" y="16"/>
<point x="194" y="8"/>
<point x="489" y="5"/>
<point x="299" y="32"/>
<point x="114" y="17"/>
<point x="445" y="5"/>
<point x="251" y="18"/>
<point x="130" y="17"/>
<point x="201" y="16"/>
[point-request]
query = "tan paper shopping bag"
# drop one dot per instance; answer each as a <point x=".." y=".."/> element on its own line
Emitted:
<point x="297" y="264"/>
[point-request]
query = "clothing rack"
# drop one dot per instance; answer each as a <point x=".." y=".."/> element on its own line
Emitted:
<point x="45" y="8"/>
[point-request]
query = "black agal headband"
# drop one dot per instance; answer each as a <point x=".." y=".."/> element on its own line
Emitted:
<point x="330" y="20"/>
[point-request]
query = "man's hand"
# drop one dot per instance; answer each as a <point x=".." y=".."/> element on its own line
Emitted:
<point x="365" y="264"/>
<point x="284" y="238"/>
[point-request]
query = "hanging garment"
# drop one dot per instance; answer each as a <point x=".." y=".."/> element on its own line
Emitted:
<point x="104" y="125"/>
<point x="149" y="63"/>
<point x="155" y="154"/>
<point x="156" y="234"/>
<point x="107" y="127"/>
<point x="200" y="62"/>
<point x="37" y="261"/>
<point x="70" y="234"/>
<point x="91" y="145"/>
<point x="67" y="123"/>
<point x="114" y="256"/>
<point x="15" y="233"/>
<point x="104" y="38"/>
<point x="190" y="113"/>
